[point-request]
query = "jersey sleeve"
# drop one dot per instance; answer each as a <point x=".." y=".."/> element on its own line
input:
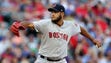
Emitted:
<point x="40" y="26"/>
<point x="76" y="28"/>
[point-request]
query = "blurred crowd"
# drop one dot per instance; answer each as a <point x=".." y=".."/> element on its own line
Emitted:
<point x="93" y="15"/>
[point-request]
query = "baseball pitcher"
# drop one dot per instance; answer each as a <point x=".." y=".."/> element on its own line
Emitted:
<point x="55" y="35"/>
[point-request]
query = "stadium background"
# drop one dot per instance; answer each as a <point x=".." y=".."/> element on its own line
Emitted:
<point x="94" y="15"/>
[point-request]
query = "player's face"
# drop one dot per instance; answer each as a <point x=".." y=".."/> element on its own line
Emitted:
<point x="56" y="16"/>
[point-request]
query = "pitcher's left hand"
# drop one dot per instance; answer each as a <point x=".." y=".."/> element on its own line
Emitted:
<point x="97" y="43"/>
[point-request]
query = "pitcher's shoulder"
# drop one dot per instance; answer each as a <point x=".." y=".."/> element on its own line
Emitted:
<point x="45" y="21"/>
<point x="68" y="22"/>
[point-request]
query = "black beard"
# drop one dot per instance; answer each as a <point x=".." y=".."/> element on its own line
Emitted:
<point x="57" y="20"/>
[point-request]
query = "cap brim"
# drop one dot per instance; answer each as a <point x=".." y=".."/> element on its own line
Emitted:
<point x="52" y="9"/>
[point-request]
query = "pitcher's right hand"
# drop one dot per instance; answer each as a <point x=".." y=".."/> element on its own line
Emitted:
<point x="15" y="27"/>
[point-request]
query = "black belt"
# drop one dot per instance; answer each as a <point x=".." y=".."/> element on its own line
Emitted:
<point x="49" y="59"/>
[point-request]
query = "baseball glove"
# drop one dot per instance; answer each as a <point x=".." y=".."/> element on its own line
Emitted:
<point x="15" y="27"/>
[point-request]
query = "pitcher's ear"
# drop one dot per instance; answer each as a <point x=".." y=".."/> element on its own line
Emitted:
<point x="62" y="14"/>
